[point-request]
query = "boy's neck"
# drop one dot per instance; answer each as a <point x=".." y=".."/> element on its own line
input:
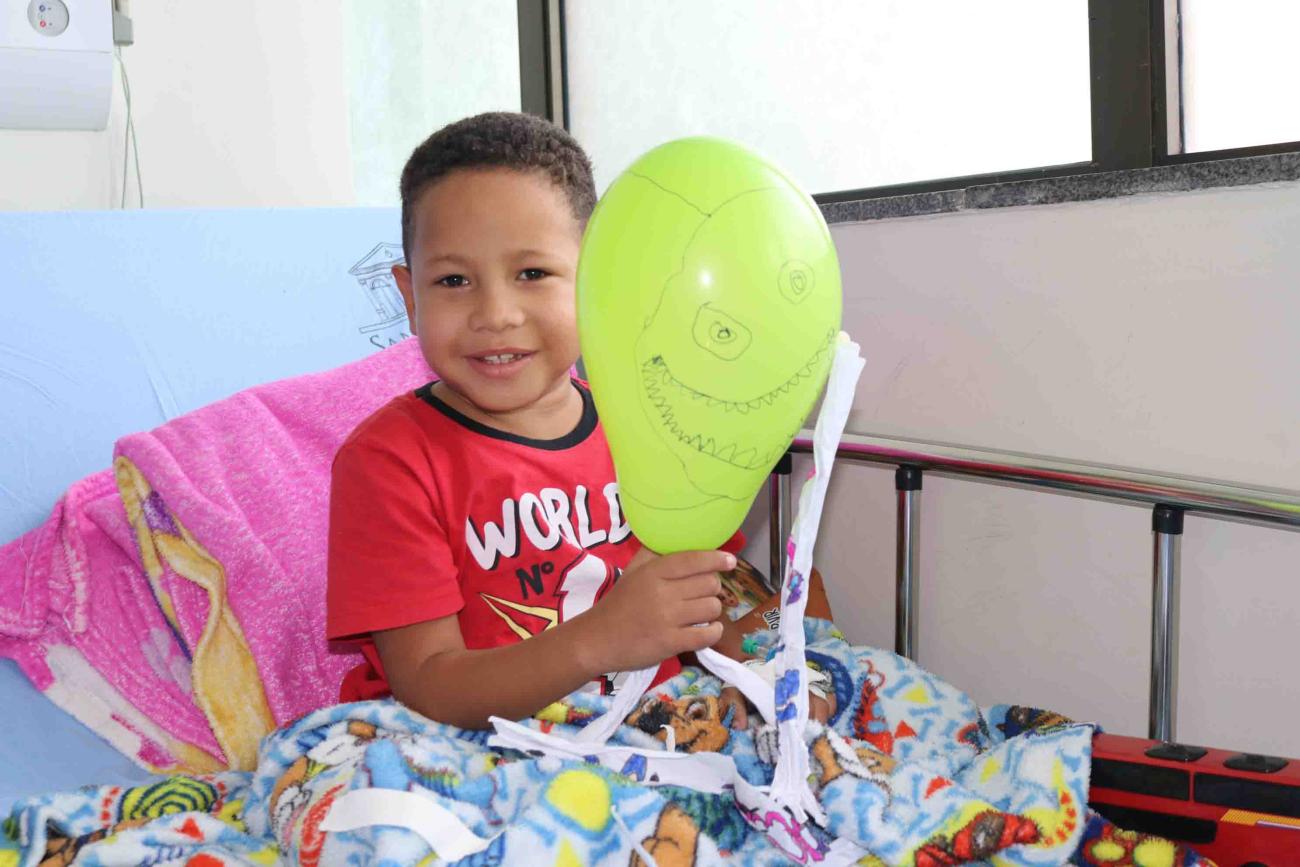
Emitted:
<point x="553" y="415"/>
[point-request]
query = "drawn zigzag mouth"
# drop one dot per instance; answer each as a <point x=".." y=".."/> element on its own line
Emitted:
<point x="670" y="396"/>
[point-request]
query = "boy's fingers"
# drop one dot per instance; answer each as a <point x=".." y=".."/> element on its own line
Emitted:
<point x="697" y="586"/>
<point x="818" y="709"/>
<point x="702" y="610"/>
<point x="700" y="637"/>
<point x="687" y="563"/>
<point x="732" y="700"/>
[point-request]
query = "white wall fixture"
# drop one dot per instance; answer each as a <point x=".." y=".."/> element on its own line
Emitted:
<point x="56" y="64"/>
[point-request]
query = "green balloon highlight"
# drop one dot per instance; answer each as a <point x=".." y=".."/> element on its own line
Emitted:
<point x="709" y="302"/>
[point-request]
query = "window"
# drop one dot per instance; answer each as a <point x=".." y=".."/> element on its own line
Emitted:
<point x="843" y="94"/>
<point x="882" y="98"/>
<point x="413" y="66"/>
<point x="1239" y="73"/>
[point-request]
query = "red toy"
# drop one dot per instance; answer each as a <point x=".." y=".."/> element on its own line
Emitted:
<point x="1237" y="809"/>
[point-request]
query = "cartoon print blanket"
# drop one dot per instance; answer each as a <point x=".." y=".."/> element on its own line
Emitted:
<point x="909" y="770"/>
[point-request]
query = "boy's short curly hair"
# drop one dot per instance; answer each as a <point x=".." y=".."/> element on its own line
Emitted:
<point x="498" y="139"/>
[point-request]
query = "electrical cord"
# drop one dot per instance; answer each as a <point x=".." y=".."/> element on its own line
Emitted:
<point x="129" y="142"/>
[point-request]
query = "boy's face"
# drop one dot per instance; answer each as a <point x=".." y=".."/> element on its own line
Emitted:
<point x="489" y="288"/>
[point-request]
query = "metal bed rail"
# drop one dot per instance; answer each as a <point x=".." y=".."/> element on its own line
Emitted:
<point x="1170" y="497"/>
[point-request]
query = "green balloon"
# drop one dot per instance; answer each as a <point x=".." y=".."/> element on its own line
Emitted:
<point x="708" y="307"/>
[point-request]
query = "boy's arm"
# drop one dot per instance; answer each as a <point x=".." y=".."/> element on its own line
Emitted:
<point x="652" y="612"/>
<point x="431" y="671"/>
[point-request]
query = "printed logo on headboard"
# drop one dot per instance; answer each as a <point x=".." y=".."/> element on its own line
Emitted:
<point x="375" y="275"/>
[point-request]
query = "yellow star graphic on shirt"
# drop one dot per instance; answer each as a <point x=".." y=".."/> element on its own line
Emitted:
<point x="548" y="615"/>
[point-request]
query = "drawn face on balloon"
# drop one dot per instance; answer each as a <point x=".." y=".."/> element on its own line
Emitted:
<point x="708" y="307"/>
<point x="723" y="356"/>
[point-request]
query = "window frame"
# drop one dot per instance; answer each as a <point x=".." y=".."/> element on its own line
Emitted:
<point x="543" y="70"/>
<point x="1130" y="95"/>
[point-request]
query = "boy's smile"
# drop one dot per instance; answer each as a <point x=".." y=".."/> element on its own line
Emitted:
<point x="501" y="362"/>
<point x="490" y="294"/>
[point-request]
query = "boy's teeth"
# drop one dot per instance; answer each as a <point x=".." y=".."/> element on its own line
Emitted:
<point x="500" y="359"/>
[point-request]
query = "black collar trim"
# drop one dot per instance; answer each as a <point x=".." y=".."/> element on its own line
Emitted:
<point x="585" y="425"/>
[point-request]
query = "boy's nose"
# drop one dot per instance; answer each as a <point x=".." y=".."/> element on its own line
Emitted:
<point x="498" y="310"/>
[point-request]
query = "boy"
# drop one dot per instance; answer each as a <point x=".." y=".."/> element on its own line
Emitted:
<point x="482" y="509"/>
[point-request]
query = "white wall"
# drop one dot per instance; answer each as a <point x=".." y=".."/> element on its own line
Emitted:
<point x="1157" y="332"/>
<point x="234" y="106"/>
<point x="296" y="103"/>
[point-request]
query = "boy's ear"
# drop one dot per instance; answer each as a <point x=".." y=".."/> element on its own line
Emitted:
<point x="402" y="275"/>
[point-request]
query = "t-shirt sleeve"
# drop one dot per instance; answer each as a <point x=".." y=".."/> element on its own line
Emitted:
<point x="390" y="563"/>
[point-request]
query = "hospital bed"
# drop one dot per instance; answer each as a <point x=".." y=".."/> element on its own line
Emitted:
<point x="1235" y="808"/>
<point x="118" y="322"/>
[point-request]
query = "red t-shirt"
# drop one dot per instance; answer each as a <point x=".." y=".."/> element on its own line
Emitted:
<point x="434" y="514"/>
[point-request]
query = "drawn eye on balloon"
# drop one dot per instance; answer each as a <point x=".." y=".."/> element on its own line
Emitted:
<point x="721" y="334"/>
<point x="796" y="281"/>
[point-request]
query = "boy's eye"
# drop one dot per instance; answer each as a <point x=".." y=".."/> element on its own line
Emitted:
<point x="453" y="281"/>
<point x="532" y="273"/>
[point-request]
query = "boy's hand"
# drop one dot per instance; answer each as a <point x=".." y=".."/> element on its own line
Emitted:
<point x="820" y="709"/>
<point x="642" y="557"/>
<point x="660" y="607"/>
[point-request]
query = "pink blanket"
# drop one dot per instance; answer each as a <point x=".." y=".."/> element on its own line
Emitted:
<point x="176" y="603"/>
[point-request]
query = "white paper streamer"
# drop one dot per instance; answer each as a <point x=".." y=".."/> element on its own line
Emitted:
<point x="442" y="829"/>
<point x="790" y="784"/>
<point x="629" y="694"/>
<point x="713" y="773"/>
<point x="705" y="772"/>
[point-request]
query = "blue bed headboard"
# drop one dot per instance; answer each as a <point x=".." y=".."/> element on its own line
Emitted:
<point x="115" y="321"/>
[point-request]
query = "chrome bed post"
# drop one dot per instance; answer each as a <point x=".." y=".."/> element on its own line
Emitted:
<point x="1167" y="527"/>
<point x="778" y="511"/>
<point x="907" y="559"/>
